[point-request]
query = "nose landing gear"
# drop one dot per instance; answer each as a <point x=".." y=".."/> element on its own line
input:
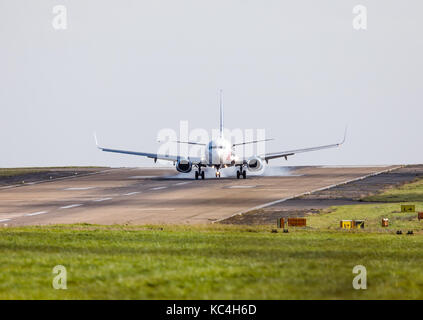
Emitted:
<point x="217" y="174"/>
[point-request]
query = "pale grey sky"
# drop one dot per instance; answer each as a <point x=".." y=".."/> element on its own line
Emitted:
<point x="127" y="69"/>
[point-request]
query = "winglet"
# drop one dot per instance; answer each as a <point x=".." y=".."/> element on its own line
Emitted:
<point x="345" y="135"/>
<point x="96" y="141"/>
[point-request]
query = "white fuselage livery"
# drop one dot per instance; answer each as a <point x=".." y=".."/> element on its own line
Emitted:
<point x="218" y="152"/>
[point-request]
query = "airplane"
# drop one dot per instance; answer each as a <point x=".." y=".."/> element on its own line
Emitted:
<point x="220" y="153"/>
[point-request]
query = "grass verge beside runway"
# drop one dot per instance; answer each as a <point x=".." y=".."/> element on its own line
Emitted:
<point x="10" y="172"/>
<point x="407" y="192"/>
<point x="208" y="262"/>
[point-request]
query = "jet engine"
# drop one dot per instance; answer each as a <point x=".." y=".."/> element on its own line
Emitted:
<point x="184" y="166"/>
<point x="254" y="164"/>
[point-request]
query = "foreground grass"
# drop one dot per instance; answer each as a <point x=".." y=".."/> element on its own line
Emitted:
<point x="209" y="262"/>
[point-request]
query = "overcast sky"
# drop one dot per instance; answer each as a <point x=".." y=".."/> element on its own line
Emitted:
<point x="127" y="69"/>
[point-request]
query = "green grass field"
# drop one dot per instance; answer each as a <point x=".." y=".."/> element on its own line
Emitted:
<point x="408" y="192"/>
<point x="220" y="261"/>
<point x="10" y="172"/>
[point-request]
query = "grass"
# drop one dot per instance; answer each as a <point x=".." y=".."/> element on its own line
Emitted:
<point x="207" y="262"/>
<point x="10" y="172"/>
<point x="372" y="214"/>
<point x="222" y="261"/>
<point x="408" y="192"/>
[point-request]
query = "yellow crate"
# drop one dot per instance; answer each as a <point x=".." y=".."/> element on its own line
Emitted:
<point x="358" y="224"/>
<point x="408" y="208"/>
<point x="346" y="224"/>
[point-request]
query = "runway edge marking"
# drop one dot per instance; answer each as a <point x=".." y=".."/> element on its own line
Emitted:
<point x="72" y="206"/>
<point x="268" y="204"/>
<point x="35" y="213"/>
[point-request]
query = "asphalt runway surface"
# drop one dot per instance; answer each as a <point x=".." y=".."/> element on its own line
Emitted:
<point x="141" y="196"/>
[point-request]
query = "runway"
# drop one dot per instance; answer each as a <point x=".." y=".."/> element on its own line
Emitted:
<point x="140" y="196"/>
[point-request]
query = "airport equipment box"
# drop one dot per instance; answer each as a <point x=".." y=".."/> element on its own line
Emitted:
<point x="385" y="222"/>
<point x="297" y="222"/>
<point x="352" y="224"/>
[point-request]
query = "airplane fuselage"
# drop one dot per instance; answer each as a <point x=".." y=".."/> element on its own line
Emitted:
<point x="218" y="152"/>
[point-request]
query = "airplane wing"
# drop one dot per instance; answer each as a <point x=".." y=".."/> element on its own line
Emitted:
<point x="155" y="156"/>
<point x="249" y="142"/>
<point x="286" y="154"/>
<point x="189" y="142"/>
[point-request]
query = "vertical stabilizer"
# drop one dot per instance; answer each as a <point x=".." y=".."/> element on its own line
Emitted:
<point x="221" y="114"/>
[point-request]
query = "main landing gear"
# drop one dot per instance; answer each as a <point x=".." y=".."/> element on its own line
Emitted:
<point x="199" y="173"/>
<point x="242" y="173"/>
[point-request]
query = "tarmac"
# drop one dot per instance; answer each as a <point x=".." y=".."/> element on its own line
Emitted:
<point x="140" y="196"/>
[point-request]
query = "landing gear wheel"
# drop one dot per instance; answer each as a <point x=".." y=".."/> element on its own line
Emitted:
<point x="244" y="174"/>
<point x="217" y="174"/>
<point x="196" y="175"/>
<point x="238" y="174"/>
<point x="202" y="175"/>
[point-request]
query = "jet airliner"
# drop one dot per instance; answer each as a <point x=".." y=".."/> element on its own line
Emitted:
<point x="220" y="153"/>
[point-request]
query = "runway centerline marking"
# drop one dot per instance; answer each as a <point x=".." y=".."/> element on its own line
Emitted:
<point x="158" y="188"/>
<point x="240" y="187"/>
<point x="79" y="188"/>
<point x="102" y="199"/>
<point x="156" y="209"/>
<point x="35" y="213"/>
<point x="4" y="220"/>
<point x="142" y="177"/>
<point x="131" y="193"/>
<point x="71" y="206"/>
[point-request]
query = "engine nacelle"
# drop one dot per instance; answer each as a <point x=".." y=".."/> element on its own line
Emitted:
<point x="184" y="166"/>
<point x="254" y="164"/>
